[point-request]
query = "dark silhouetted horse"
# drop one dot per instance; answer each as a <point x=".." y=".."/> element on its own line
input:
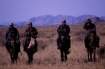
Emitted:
<point x="91" y="47"/>
<point x="31" y="49"/>
<point x="64" y="45"/>
<point x="13" y="50"/>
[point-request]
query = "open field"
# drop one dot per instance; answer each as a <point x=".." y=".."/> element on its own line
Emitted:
<point x="48" y="56"/>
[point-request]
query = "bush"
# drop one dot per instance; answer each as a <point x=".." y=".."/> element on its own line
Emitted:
<point x="101" y="52"/>
<point x="2" y="35"/>
<point x="80" y="35"/>
<point x="41" y="45"/>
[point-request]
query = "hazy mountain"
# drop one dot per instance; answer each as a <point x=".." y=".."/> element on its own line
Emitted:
<point x="4" y="23"/>
<point x="82" y="18"/>
<point x="53" y="20"/>
<point x="23" y="23"/>
<point x="50" y="20"/>
<point x="102" y="18"/>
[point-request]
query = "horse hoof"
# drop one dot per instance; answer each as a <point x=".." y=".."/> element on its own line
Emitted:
<point x="28" y="61"/>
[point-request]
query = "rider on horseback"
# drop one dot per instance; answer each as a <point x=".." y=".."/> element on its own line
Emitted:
<point x="12" y="33"/>
<point x="90" y="27"/>
<point x="63" y="30"/>
<point x="30" y="32"/>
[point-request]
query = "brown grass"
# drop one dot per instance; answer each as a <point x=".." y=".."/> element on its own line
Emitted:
<point x="48" y="57"/>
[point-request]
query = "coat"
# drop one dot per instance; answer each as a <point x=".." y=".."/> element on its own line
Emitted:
<point x="63" y="30"/>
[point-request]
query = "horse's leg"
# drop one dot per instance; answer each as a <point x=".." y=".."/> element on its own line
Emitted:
<point x="28" y="58"/>
<point x="15" y="56"/>
<point x="65" y="56"/>
<point x="91" y="55"/>
<point x="31" y="57"/>
<point x="88" y="54"/>
<point x="10" y="53"/>
<point x="62" y="56"/>
<point x="65" y="52"/>
<point x="11" y="58"/>
<point x="94" y="55"/>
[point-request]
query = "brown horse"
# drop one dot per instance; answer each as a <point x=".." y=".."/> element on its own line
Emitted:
<point x="31" y="49"/>
<point x="12" y="50"/>
<point x="91" y="49"/>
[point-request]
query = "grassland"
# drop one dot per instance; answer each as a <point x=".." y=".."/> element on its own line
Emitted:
<point x="48" y="56"/>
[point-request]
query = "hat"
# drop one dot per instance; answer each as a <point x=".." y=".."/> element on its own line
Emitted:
<point x="89" y="20"/>
<point x="30" y="23"/>
<point x="11" y="24"/>
<point x="64" y="21"/>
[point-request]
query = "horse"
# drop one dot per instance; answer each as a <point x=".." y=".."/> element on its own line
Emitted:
<point x="64" y="45"/>
<point x="91" y="47"/>
<point x="13" y="50"/>
<point x="31" y="49"/>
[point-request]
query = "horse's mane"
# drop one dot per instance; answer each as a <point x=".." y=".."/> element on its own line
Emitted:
<point x="91" y="41"/>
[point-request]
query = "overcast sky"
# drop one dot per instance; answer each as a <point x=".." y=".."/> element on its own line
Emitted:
<point x="23" y="10"/>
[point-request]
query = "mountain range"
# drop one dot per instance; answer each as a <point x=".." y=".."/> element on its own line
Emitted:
<point x="46" y="20"/>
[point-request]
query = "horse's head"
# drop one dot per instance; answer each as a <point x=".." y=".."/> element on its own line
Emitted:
<point x="62" y="38"/>
<point x="91" y="37"/>
<point x="10" y="51"/>
<point x="32" y="42"/>
<point x="12" y="40"/>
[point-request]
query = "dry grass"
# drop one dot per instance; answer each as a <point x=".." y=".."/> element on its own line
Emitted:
<point x="48" y="57"/>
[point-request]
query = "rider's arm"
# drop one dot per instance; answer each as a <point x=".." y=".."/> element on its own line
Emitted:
<point x="59" y="29"/>
<point x="26" y="33"/>
<point x="35" y="32"/>
<point x="67" y="29"/>
<point x="18" y="36"/>
<point x="94" y="28"/>
<point x="6" y="36"/>
<point x="85" y="26"/>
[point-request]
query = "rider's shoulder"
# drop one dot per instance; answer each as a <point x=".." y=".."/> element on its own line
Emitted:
<point x="92" y="24"/>
<point x="67" y="25"/>
<point x="33" y="28"/>
<point x="60" y="25"/>
<point x="14" y="28"/>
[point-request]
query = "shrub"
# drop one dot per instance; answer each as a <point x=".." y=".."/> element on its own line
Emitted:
<point x="41" y="45"/>
<point x="101" y="52"/>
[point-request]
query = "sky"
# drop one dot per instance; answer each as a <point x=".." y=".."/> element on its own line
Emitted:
<point x="23" y="10"/>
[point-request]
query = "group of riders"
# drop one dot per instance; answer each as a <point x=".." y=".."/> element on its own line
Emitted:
<point x="12" y="32"/>
<point x="63" y="32"/>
